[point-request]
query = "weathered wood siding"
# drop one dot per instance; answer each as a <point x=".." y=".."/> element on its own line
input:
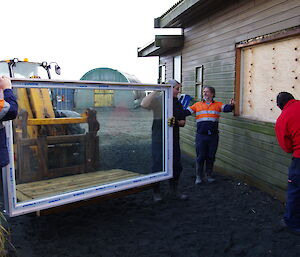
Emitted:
<point x="247" y="149"/>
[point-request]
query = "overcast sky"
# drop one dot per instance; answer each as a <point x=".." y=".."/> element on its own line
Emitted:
<point x="81" y="35"/>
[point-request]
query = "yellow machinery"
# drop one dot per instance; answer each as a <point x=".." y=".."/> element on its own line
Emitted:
<point x="41" y="136"/>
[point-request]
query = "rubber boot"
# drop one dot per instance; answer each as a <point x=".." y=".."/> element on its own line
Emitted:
<point x="174" y="190"/>
<point x="156" y="193"/>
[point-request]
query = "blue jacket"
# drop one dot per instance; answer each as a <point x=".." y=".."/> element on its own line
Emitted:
<point x="8" y="111"/>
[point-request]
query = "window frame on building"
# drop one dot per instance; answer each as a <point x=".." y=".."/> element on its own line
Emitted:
<point x="199" y="82"/>
<point x="177" y="68"/>
<point x="162" y="74"/>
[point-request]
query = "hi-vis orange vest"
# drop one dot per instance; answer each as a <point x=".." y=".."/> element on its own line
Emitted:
<point x="206" y="112"/>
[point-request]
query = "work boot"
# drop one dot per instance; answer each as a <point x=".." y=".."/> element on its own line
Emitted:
<point x="210" y="179"/>
<point x="157" y="197"/>
<point x="156" y="193"/>
<point x="175" y="192"/>
<point x="285" y="227"/>
<point x="198" y="180"/>
<point x="181" y="196"/>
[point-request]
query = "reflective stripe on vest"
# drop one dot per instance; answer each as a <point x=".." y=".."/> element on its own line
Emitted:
<point x="191" y="111"/>
<point x="207" y="119"/>
<point x="208" y="112"/>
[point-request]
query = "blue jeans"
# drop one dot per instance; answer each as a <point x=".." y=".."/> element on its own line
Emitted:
<point x="206" y="149"/>
<point x="292" y="212"/>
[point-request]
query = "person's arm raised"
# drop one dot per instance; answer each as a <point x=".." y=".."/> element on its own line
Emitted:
<point x="147" y="100"/>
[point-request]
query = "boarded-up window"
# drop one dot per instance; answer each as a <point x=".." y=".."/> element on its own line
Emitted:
<point x="266" y="70"/>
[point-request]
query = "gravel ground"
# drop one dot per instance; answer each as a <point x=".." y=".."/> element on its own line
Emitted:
<point x="225" y="218"/>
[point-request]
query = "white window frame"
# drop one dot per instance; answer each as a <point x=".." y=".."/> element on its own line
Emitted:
<point x="162" y="74"/>
<point x="14" y="208"/>
<point x="177" y="68"/>
<point x="199" y="82"/>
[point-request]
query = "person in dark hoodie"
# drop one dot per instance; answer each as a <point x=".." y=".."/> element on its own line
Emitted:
<point x="153" y="102"/>
<point x="8" y="111"/>
<point x="287" y="130"/>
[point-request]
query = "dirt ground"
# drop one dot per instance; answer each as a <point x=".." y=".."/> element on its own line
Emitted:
<point x="226" y="218"/>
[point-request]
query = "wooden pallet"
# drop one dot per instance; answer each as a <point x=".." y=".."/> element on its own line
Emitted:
<point x="50" y="187"/>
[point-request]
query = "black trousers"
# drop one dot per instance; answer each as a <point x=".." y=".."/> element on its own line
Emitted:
<point x="157" y="155"/>
<point x="157" y="162"/>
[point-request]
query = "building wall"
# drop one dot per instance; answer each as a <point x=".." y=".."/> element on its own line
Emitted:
<point x="248" y="149"/>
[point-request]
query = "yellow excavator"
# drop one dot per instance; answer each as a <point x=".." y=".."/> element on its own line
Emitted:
<point x="41" y="133"/>
<point x="36" y="102"/>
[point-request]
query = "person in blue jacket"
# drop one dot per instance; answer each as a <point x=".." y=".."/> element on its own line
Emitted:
<point x="8" y="111"/>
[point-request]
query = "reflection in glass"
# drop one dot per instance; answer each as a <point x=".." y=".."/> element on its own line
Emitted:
<point x="67" y="147"/>
<point x="4" y="71"/>
<point x="30" y="70"/>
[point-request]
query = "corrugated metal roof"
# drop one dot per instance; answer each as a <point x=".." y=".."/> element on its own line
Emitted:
<point x="185" y="12"/>
<point x="171" y="8"/>
<point x="172" y="18"/>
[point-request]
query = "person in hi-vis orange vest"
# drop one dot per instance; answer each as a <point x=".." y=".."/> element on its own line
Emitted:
<point x="207" y="137"/>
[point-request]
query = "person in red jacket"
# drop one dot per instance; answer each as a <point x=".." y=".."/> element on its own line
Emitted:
<point x="287" y="130"/>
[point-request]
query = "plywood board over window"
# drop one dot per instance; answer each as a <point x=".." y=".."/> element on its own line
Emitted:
<point x="267" y="69"/>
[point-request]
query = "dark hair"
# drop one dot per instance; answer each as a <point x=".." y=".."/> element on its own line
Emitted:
<point x="283" y="98"/>
<point x="211" y="89"/>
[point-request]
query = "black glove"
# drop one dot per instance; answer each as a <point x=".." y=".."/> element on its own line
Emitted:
<point x="172" y="122"/>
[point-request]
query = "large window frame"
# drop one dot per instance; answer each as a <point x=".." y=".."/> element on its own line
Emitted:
<point x="14" y="208"/>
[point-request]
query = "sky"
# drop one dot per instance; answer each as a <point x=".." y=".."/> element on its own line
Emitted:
<point x="83" y="35"/>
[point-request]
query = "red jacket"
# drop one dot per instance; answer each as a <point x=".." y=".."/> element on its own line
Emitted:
<point x="287" y="128"/>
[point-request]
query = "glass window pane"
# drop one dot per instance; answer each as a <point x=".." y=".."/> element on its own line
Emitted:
<point x="199" y="75"/>
<point x="85" y="141"/>
<point x="177" y="68"/>
<point x="4" y="71"/>
<point x="162" y="74"/>
<point x="29" y="70"/>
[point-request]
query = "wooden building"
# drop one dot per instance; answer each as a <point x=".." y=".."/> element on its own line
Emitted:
<point x="248" y="50"/>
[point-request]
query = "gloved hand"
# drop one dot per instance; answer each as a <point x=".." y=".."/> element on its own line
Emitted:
<point x="172" y="122"/>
